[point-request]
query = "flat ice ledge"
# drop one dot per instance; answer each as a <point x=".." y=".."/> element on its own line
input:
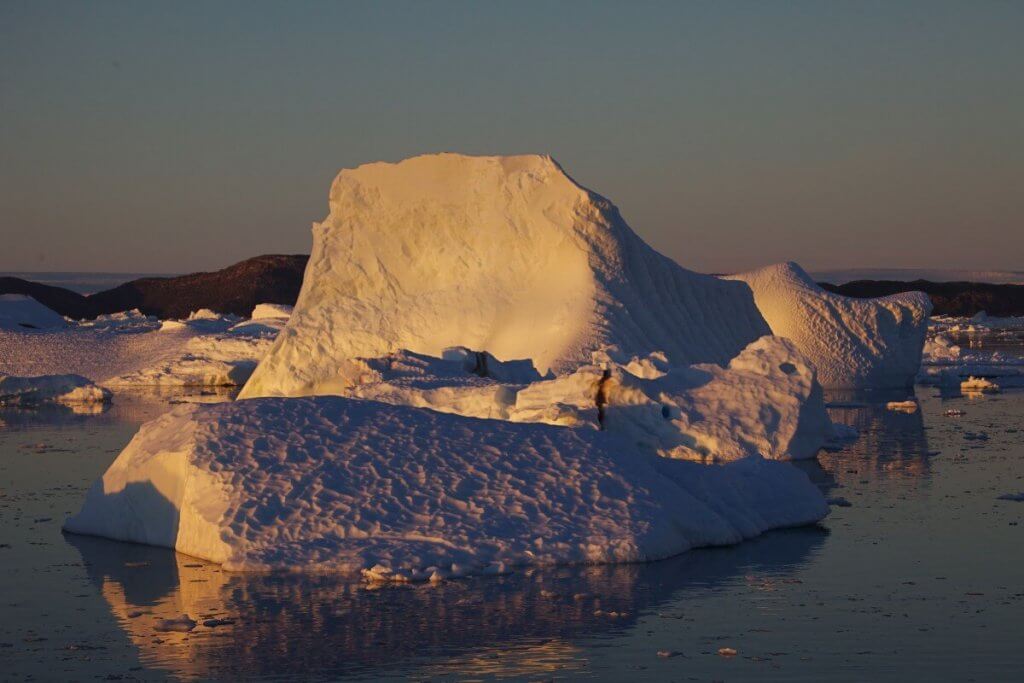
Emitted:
<point x="352" y="486"/>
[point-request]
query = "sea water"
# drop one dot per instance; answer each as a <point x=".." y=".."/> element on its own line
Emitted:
<point x="916" y="574"/>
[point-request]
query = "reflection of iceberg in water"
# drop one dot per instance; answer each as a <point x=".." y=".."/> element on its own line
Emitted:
<point x="522" y="624"/>
<point x="891" y="443"/>
<point x="130" y="406"/>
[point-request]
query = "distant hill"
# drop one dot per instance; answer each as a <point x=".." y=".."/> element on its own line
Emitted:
<point x="949" y="298"/>
<point x="992" y="277"/>
<point x="236" y="289"/>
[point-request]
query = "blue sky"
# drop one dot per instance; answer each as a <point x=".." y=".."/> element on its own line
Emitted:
<point x="170" y="137"/>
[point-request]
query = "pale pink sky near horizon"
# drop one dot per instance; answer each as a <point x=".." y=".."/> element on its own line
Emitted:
<point x="176" y="137"/>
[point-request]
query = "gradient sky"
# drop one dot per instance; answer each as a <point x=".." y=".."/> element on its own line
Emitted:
<point x="171" y="137"/>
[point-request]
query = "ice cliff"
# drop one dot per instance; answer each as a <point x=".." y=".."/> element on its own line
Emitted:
<point x="503" y="254"/>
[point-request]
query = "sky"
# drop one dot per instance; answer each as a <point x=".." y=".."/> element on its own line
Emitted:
<point x="182" y="136"/>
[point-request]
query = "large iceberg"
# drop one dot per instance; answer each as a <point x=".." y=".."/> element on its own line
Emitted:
<point x="504" y="254"/>
<point x="397" y="493"/>
<point x="853" y="343"/>
<point x="485" y="368"/>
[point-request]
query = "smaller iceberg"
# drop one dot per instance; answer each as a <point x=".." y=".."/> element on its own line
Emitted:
<point x="853" y="343"/>
<point x="64" y="389"/>
<point x="20" y="312"/>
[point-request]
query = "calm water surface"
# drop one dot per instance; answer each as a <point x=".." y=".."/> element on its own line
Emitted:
<point x="920" y="577"/>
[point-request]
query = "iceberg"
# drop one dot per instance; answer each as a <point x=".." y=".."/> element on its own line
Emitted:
<point x="485" y="368"/>
<point x="504" y="254"/>
<point x="39" y="389"/>
<point x="20" y="312"/>
<point x="390" y="492"/>
<point x="853" y="343"/>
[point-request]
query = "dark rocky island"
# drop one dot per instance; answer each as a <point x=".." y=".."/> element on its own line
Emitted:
<point x="948" y="298"/>
<point x="274" y="279"/>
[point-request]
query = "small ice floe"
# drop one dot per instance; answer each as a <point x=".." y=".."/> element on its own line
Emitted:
<point x="214" y="623"/>
<point x="979" y="385"/>
<point x="122" y="321"/>
<point x="610" y="614"/>
<point x="902" y="406"/>
<point x="63" y="389"/>
<point x="954" y="412"/>
<point x="669" y="653"/>
<point x="726" y="652"/>
<point x="1017" y="497"/>
<point x="839" y="502"/>
<point x="271" y="312"/>
<point x="182" y="624"/>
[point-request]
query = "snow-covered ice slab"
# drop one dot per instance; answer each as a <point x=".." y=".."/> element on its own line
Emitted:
<point x="20" y="312"/>
<point x="503" y="254"/>
<point x="853" y="343"/>
<point x="64" y="389"/>
<point x="208" y="360"/>
<point x="129" y="349"/>
<point x="352" y="486"/>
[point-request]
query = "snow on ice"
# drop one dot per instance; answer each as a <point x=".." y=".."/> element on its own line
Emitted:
<point x="130" y="349"/>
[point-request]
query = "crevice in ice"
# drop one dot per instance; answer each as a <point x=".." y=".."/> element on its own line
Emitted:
<point x="480" y="364"/>
<point x="601" y="400"/>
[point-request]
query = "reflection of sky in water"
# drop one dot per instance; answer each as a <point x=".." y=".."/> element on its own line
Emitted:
<point x="919" y="578"/>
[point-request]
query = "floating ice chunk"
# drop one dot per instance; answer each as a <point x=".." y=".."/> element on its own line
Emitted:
<point x="184" y="624"/>
<point x="123" y="321"/>
<point x="940" y="349"/>
<point x="853" y="343"/>
<point x="271" y="312"/>
<point x="65" y="389"/>
<point x="344" y="485"/>
<point x="979" y="385"/>
<point x="902" y="406"/>
<point x="204" y="314"/>
<point x="19" y="312"/>
<point x="1018" y="497"/>
<point x="173" y="325"/>
<point x="505" y="254"/>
